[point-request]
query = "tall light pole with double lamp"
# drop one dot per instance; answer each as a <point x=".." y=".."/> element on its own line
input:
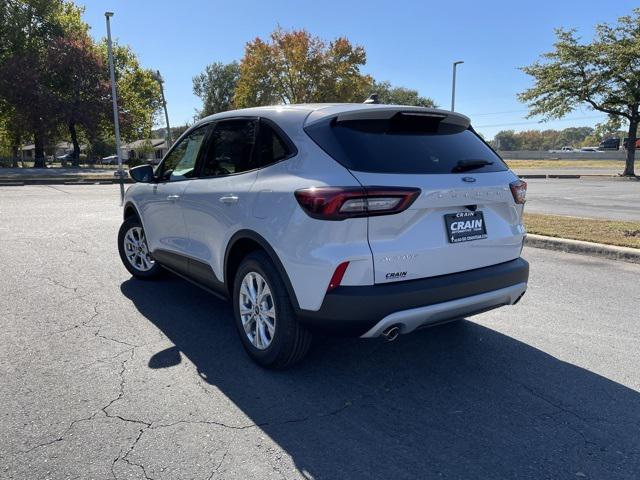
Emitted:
<point x="453" y="85"/>
<point x="114" y="97"/>
<point x="158" y="77"/>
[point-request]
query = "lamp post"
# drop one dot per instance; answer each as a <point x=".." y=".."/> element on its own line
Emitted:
<point x="114" y="97"/>
<point x="158" y="77"/>
<point x="453" y="85"/>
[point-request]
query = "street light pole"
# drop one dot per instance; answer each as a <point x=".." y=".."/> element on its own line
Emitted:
<point x="453" y="85"/>
<point x="158" y="77"/>
<point x="114" y="97"/>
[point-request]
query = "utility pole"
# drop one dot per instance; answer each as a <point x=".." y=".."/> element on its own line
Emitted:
<point x="158" y="77"/>
<point x="453" y="85"/>
<point x="114" y="97"/>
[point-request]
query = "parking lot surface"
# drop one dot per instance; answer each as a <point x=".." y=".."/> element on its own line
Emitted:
<point x="104" y="376"/>
<point x="611" y="199"/>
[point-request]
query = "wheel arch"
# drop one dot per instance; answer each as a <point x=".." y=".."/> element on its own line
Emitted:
<point x="240" y="245"/>
<point x="130" y="210"/>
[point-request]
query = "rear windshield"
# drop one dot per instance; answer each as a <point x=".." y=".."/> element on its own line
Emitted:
<point x="405" y="143"/>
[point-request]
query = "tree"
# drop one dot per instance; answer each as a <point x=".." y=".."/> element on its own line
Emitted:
<point x="27" y="28"/>
<point x="216" y="86"/>
<point x="296" y="67"/>
<point x="139" y="99"/>
<point x="391" y="95"/>
<point x="175" y="132"/>
<point x="506" y="140"/>
<point x="82" y="91"/>
<point x="603" y="74"/>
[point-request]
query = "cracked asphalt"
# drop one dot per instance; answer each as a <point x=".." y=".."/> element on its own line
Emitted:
<point x="106" y="377"/>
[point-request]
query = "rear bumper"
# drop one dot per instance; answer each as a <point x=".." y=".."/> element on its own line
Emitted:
<point x="368" y="310"/>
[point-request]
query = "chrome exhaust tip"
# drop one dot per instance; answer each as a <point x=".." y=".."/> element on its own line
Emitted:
<point x="391" y="333"/>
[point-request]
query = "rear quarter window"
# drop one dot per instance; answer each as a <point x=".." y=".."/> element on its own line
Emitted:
<point x="405" y="144"/>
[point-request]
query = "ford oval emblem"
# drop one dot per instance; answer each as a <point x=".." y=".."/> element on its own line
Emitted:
<point x="468" y="179"/>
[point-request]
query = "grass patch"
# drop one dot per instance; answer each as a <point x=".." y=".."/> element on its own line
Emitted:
<point x="611" y="232"/>
<point x="551" y="164"/>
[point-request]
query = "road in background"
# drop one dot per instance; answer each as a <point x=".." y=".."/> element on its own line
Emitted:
<point x="612" y="199"/>
<point x="611" y="172"/>
<point x="104" y="376"/>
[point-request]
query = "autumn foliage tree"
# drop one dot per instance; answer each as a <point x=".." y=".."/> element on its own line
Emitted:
<point x="27" y="28"/>
<point x="82" y="92"/>
<point x="297" y="67"/>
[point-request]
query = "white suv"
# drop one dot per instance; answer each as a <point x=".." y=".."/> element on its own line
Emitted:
<point x="352" y="219"/>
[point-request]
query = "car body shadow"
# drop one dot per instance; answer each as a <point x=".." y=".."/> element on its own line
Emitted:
<point x="455" y="401"/>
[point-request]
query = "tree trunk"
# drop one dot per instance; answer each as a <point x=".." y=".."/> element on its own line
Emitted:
<point x="76" y="145"/>
<point x="631" y="148"/>
<point x="40" y="160"/>
<point x="14" y="152"/>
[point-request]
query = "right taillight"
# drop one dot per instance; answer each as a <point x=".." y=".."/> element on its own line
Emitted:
<point x="519" y="191"/>
<point x="338" y="203"/>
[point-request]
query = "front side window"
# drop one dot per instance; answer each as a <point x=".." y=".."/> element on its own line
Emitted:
<point x="181" y="162"/>
<point x="230" y="148"/>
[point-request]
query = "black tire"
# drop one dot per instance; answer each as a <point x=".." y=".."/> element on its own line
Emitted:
<point x="291" y="340"/>
<point x="155" y="271"/>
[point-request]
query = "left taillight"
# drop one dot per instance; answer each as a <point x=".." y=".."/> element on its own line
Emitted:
<point x="519" y="191"/>
<point x="339" y="203"/>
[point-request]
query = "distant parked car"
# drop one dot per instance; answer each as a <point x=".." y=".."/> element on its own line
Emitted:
<point x="626" y="142"/>
<point x="589" y="149"/>
<point x="612" y="143"/>
<point x="67" y="157"/>
<point x="563" y="149"/>
<point x="111" y="160"/>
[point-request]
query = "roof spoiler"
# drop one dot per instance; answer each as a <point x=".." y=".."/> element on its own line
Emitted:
<point x="383" y="112"/>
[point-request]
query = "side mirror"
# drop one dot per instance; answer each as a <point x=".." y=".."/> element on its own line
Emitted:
<point x="142" y="173"/>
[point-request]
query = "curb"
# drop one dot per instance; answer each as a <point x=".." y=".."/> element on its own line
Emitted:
<point x="586" y="248"/>
<point x="61" y="181"/>
<point x="550" y="175"/>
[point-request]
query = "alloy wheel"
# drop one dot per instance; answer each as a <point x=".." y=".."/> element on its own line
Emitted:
<point x="136" y="250"/>
<point x="257" y="310"/>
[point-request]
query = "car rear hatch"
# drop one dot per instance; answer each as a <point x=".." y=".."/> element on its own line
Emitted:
<point x="465" y="216"/>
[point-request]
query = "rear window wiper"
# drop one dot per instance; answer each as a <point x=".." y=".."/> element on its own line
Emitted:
<point x="466" y="165"/>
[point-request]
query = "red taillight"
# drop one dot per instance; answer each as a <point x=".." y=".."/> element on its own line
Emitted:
<point x="519" y="191"/>
<point x="336" y="278"/>
<point x="338" y="203"/>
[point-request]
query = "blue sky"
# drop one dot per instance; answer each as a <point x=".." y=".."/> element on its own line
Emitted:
<point x="409" y="43"/>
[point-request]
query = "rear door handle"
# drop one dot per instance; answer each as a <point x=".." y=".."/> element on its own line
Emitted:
<point x="231" y="198"/>
<point x="173" y="197"/>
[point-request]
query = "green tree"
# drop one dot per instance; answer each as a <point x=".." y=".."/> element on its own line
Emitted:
<point x="603" y="131"/>
<point x="391" y="95"/>
<point x="603" y="74"/>
<point x="297" y="67"/>
<point x="216" y="86"/>
<point x="139" y="99"/>
<point x="506" y="140"/>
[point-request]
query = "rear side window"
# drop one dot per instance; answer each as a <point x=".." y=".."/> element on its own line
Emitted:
<point x="271" y="146"/>
<point x="230" y="148"/>
<point x="405" y="143"/>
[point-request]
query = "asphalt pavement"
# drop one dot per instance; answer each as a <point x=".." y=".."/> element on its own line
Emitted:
<point x="104" y="376"/>
<point x="613" y="199"/>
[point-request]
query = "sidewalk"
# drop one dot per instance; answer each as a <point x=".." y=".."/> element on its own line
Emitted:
<point x="57" y="176"/>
